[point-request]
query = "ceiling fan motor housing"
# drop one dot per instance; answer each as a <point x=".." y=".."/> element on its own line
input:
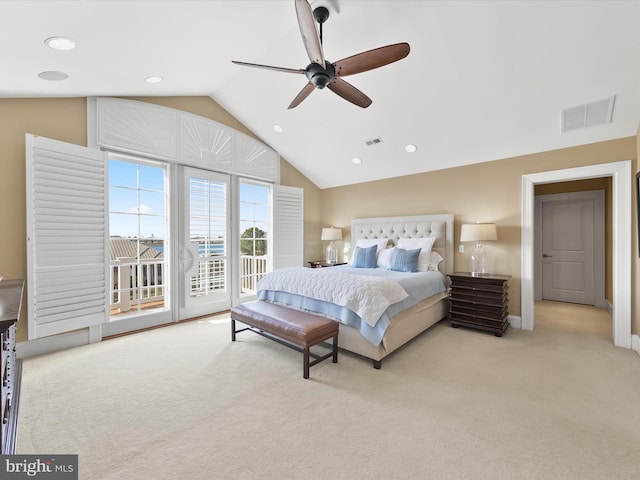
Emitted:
<point x="320" y="77"/>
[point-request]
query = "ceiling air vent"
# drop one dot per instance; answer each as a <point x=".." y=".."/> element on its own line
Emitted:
<point x="588" y="115"/>
<point x="373" y="141"/>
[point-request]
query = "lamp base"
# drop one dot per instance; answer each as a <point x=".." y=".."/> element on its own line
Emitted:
<point x="478" y="264"/>
<point x="331" y="256"/>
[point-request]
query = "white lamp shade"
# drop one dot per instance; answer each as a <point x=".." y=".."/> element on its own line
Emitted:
<point x="331" y="234"/>
<point x="478" y="232"/>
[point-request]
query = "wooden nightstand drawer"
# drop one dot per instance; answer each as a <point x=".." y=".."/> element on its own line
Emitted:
<point x="489" y="298"/>
<point x="498" y="311"/>
<point x="482" y="284"/>
<point x="478" y="319"/>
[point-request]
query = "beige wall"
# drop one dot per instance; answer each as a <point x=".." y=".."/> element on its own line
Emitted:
<point x="65" y="119"/>
<point x="488" y="192"/>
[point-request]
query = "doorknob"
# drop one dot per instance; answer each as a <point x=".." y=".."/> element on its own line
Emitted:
<point x="544" y="255"/>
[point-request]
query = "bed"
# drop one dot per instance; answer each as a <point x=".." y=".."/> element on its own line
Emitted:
<point x="401" y="320"/>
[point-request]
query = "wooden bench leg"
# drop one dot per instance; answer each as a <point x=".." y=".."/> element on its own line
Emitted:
<point x="233" y="330"/>
<point x="335" y="349"/>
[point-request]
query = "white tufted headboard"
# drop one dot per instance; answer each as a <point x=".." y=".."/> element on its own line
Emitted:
<point x="418" y="226"/>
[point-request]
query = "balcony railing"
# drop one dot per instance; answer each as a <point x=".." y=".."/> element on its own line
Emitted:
<point x="135" y="286"/>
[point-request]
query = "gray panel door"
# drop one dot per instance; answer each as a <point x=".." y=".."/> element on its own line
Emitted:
<point x="569" y="248"/>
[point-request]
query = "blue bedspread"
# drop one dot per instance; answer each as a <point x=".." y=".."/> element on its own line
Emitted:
<point x="419" y="286"/>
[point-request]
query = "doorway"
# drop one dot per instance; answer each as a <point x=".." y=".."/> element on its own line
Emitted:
<point x="620" y="173"/>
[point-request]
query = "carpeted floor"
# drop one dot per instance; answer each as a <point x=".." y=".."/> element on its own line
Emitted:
<point x="185" y="402"/>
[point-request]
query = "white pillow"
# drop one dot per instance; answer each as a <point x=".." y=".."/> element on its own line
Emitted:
<point x="424" y="244"/>
<point x="368" y="242"/>
<point x="384" y="258"/>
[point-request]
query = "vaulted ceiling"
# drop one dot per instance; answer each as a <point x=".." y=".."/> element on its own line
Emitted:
<point x="484" y="79"/>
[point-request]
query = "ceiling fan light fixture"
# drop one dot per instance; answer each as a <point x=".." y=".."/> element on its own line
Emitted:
<point x="320" y="77"/>
<point x="60" y="43"/>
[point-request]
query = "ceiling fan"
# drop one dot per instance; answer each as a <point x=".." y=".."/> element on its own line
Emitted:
<point x="322" y="73"/>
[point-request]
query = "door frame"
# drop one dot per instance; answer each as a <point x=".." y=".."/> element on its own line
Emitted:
<point x="620" y="172"/>
<point x="599" y="243"/>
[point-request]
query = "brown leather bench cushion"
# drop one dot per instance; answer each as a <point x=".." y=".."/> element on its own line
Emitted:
<point x="301" y="328"/>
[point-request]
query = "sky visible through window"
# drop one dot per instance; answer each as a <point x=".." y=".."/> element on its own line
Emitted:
<point x="137" y="203"/>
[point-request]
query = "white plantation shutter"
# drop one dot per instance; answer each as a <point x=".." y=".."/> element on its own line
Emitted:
<point x="67" y="250"/>
<point x="288" y="227"/>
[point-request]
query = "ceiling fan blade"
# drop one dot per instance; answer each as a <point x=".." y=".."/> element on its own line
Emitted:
<point x="378" y="57"/>
<point x="309" y="33"/>
<point x="304" y="93"/>
<point x="349" y="93"/>
<point x="269" y="67"/>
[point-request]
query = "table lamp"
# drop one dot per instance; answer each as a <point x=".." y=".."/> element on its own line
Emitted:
<point x="331" y="234"/>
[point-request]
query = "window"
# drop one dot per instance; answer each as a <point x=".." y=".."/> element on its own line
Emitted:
<point x="137" y="233"/>
<point x="254" y="234"/>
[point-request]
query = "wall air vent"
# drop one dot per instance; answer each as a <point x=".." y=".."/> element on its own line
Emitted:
<point x="588" y="115"/>
<point x="373" y="141"/>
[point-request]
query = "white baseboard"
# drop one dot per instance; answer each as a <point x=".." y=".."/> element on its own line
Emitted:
<point x="635" y="343"/>
<point x="515" y="321"/>
<point x="609" y="307"/>
<point x="40" y="346"/>
<point x="92" y="334"/>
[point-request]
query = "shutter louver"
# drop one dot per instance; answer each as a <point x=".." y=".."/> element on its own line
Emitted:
<point x="67" y="237"/>
<point x="288" y="227"/>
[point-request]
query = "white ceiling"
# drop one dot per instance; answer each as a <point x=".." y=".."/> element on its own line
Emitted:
<point x="484" y="80"/>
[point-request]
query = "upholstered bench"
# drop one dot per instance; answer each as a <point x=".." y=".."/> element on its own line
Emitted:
<point x="293" y="328"/>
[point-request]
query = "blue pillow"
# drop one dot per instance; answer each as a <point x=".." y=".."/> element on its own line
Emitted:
<point x="404" y="260"/>
<point x="365" y="257"/>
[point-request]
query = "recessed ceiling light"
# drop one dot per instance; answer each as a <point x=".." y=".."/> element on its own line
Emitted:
<point x="410" y="148"/>
<point x="278" y="128"/>
<point x="60" y="43"/>
<point x="153" y="79"/>
<point x="356" y="160"/>
<point x="53" y="76"/>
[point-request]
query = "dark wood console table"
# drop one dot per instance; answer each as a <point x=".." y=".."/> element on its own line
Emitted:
<point x="10" y="303"/>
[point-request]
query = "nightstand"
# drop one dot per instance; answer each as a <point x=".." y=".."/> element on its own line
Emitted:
<point x="322" y="264"/>
<point x="479" y="302"/>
